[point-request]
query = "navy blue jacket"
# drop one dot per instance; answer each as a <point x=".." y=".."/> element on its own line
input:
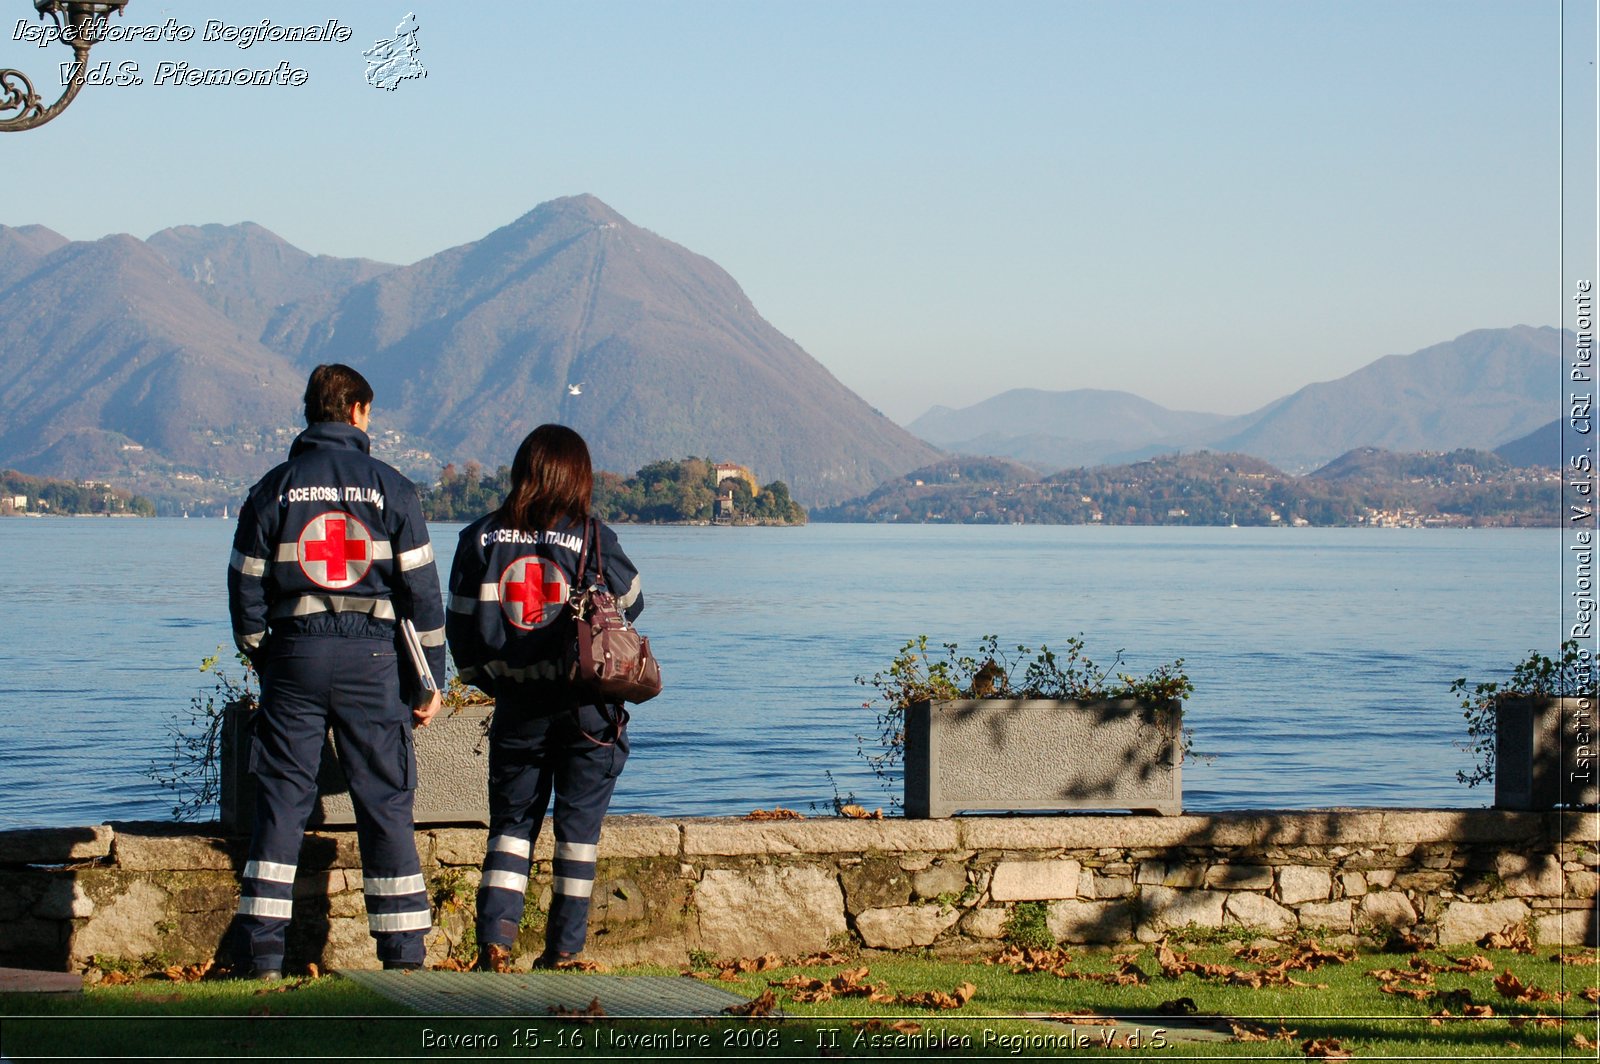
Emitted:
<point x="507" y="623"/>
<point x="332" y="542"/>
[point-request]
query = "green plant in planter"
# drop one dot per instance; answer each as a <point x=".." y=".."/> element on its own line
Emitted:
<point x="1537" y="676"/>
<point x="916" y="676"/>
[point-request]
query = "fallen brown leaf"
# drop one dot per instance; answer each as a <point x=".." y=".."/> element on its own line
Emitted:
<point x="1325" y="1048"/>
<point x="1591" y="994"/>
<point x="775" y="813"/>
<point x="938" y="999"/>
<point x="1512" y="936"/>
<point x="588" y="1012"/>
<point x="1576" y="960"/>
<point x="859" y="813"/>
<point x="906" y="1026"/>
<point x="1510" y="986"/>
<point x="1581" y="1042"/>
<point x="761" y="1006"/>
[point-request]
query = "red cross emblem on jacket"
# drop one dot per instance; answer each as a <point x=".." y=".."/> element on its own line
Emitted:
<point x="335" y="550"/>
<point x="532" y="591"/>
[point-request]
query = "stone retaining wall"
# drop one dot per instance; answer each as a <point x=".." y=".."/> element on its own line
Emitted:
<point x="163" y="894"/>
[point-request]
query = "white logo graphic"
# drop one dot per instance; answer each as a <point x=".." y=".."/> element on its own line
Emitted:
<point x="393" y="61"/>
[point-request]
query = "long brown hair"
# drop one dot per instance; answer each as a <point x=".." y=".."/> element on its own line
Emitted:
<point x="551" y="477"/>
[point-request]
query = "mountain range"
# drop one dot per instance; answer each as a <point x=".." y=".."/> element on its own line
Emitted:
<point x="1480" y="390"/>
<point x="187" y="353"/>
<point x="181" y="359"/>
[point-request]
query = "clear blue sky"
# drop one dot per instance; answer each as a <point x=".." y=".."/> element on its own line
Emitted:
<point x="1207" y="204"/>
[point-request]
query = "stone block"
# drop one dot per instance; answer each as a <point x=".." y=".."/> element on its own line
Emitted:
<point x="1413" y="827"/>
<point x="1525" y="876"/>
<point x="146" y="847"/>
<point x="1171" y="874"/>
<point x="1034" y="880"/>
<point x="1322" y="827"/>
<point x="459" y="846"/>
<point x="943" y="877"/>
<point x="1581" y="828"/>
<point x="904" y="926"/>
<point x="1112" y="886"/>
<point x="875" y="883"/>
<point x="1380" y="878"/>
<point x="639" y="836"/>
<point x="1091" y="921"/>
<point x="1118" y="833"/>
<point x="1329" y="915"/>
<point x="988" y="922"/>
<point x="1426" y="881"/>
<point x="1166" y="908"/>
<point x="1469" y="921"/>
<point x="64" y="899"/>
<point x="792" y="910"/>
<point x="1238" y="877"/>
<point x="125" y="925"/>
<point x="1252" y="910"/>
<point x="727" y="837"/>
<point x="55" y="845"/>
<point x="1298" y="884"/>
<point x="37" y="944"/>
<point x="1573" y="927"/>
<point x="1086" y="884"/>
<point x="1387" y="908"/>
<point x="1354" y="884"/>
<point x="1581" y="884"/>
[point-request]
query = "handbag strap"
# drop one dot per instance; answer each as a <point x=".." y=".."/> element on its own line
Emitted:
<point x="590" y="525"/>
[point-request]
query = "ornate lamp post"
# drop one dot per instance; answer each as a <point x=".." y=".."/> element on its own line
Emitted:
<point x="80" y="24"/>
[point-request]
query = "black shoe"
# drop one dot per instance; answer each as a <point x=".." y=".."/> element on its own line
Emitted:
<point x="554" y="959"/>
<point x="401" y="966"/>
<point x="494" y="958"/>
<point x="266" y="975"/>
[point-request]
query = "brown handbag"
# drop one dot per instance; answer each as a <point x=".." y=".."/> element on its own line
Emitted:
<point x="609" y="660"/>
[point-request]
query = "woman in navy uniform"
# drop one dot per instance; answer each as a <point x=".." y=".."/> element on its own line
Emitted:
<point x="506" y="628"/>
<point x="331" y="552"/>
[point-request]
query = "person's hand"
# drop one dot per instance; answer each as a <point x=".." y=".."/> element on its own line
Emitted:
<point x="423" y="711"/>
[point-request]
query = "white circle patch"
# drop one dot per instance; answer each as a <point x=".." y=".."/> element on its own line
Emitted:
<point x="532" y="591"/>
<point x="334" y="550"/>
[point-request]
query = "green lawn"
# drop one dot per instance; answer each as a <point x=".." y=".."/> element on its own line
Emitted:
<point x="1006" y="1015"/>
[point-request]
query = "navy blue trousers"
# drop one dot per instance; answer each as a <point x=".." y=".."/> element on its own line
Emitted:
<point x="307" y="684"/>
<point x="534" y="752"/>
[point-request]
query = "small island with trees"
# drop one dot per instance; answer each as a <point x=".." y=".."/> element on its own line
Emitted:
<point x="687" y="491"/>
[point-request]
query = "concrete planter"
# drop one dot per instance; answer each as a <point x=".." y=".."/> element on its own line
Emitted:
<point x="1544" y="752"/>
<point x="452" y="773"/>
<point x="1000" y="754"/>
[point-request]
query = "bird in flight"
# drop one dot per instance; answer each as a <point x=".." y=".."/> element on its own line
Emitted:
<point x="575" y="389"/>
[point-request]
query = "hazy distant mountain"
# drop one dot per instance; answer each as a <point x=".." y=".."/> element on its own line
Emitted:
<point x="1474" y="391"/>
<point x="573" y="314"/>
<point x="250" y="273"/>
<point x="1541" y="447"/>
<point x="105" y="337"/>
<point x="1055" y="430"/>
<point x="22" y="250"/>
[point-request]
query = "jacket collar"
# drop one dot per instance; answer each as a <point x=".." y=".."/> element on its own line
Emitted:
<point x="331" y="435"/>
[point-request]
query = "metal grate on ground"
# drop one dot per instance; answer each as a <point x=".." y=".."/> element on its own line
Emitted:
<point x="538" y="993"/>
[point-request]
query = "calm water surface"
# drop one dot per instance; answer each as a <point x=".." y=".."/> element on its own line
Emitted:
<point x="1321" y="658"/>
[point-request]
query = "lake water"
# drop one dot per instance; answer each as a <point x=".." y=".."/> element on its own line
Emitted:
<point x="1321" y="658"/>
